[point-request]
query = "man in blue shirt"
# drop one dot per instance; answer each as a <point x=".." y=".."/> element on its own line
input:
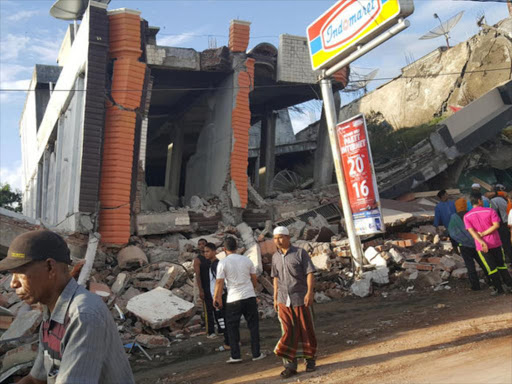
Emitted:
<point x="443" y="213"/>
<point x="444" y="210"/>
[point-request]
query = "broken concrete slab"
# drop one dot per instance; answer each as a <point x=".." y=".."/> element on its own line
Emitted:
<point x="120" y="283"/>
<point x="159" y="308"/>
<point x="447" y="263"/>
<point x="460" y="273"/>
<point x="24" y="324"/>
<point x="131" y="256"/>
<point x="267" y="284"/>
<point x="20" y="355"/>
<point x="153" y="341"/>
<point x="100" y="289"/>
<point x="321" y="297"/>
<point x="172" y="274"/>
<point x="184" y="244"/>
<point x="162" y="223"/>
<point x="397" y="256"/>
<point x="322" y="262"/>
<point x="254" y="254"/>
<point x="378" y="276"/>
<point x="361" y="288"/>
<point x="373" y="256"/>
<point x="296" y="229"/>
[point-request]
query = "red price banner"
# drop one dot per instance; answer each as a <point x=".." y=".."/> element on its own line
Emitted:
<point x="357" y="164"/>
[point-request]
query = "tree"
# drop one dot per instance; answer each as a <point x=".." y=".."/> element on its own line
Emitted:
<point x="10" y="199"/>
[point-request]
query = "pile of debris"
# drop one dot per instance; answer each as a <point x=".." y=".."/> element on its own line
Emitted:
<point x="150" y="289"/>
<point x="149" y="285"/>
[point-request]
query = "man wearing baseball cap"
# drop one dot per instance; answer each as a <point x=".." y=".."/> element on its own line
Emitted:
<point x="292" y="271"/>
<point x="78" y="339"/>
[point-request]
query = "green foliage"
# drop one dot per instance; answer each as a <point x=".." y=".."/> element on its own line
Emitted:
<point x="389" y="144"/>
<point x="10" y="199"/>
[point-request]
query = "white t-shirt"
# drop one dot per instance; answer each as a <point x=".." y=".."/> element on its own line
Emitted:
<point x="510" y="219"/>
<point x="236" y="271"/>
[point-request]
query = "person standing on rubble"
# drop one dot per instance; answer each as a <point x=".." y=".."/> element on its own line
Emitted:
<point x="78" y="339"/>
<point x="483" y="223"/>
<point x="465" y="242"/>
<point x="202" y="277"/>
<point x="239" y="273"/>
<point x="292" y="271"/>
<point x="210" y="252"/>
<point x="443" y="213"/>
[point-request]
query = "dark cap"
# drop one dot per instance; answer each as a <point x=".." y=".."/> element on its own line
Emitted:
<point x="35" y="246"/>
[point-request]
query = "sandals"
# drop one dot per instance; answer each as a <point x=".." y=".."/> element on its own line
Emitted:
<point x="288" y="373"/>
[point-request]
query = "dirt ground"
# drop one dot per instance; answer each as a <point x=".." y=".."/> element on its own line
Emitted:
<point x="451" y="336"/>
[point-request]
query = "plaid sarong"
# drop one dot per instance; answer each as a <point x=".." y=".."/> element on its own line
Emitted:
<point x="298" y="338"/>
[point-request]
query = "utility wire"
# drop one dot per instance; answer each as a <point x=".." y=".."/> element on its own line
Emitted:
<point x="423" y="76"/>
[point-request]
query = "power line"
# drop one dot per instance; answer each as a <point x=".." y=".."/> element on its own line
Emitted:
<point x="422" y="76"/>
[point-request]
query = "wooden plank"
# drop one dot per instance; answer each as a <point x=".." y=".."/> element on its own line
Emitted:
<point x="418" y="195"/>
<point x="482" y="183"/>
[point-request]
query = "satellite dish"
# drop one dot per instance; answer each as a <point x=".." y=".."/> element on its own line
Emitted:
<point x="71" y="9"/>
<point x="444" y="29"/>
<point x="358" y="82"/>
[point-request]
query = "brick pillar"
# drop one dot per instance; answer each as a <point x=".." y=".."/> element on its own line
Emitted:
<point x="118" y="144"/>
<point x="239" y="34"/>
<point x="241" y="123"/>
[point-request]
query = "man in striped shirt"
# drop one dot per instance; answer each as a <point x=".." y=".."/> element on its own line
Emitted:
<point x="78" y="339"/>
<point x="483" y="223"/>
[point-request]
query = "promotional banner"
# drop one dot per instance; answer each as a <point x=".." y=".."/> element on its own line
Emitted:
<point x="359" y="174"/>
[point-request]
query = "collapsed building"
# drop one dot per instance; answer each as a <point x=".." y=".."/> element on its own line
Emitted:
<point x="462" y="95"/>
<point x="123" y="126"/>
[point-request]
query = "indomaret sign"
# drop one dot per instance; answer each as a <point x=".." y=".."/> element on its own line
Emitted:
<point x="356" y="158"/>
<point x="349" y="23"/>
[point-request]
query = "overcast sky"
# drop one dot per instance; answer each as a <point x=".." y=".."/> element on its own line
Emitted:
<point x="29" y="36"/>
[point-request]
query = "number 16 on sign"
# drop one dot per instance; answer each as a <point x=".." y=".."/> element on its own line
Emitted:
<point x="357" y="163"/>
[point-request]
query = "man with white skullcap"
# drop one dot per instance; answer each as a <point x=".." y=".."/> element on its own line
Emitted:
<point x="292" y="271"/>
<point x="477" y="188"/>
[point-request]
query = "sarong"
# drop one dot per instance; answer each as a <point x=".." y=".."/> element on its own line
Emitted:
<point x="298" y="338"/>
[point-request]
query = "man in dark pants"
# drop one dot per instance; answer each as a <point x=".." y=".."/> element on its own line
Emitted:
<point x="465" y="242"/>
<point x="202" y="274"/>
<point x="210" y="252"/>
<point x="240" y="276"/>
<point x="483" y="223"/>
<point x="500" y="204"/>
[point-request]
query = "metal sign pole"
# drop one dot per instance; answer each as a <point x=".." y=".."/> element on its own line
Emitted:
<point x="330" y="116"/>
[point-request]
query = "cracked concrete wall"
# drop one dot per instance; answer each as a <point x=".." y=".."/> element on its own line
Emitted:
<point x="207" y="169"/>
<point x="410" y="100"/>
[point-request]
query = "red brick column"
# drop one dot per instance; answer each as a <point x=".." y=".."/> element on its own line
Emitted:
<point x="118" y="145"/>
<point x="241" y="123"/>
<point x="239" y="33"/>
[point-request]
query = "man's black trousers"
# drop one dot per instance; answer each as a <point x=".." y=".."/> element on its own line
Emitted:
<point x="234" y="311"/>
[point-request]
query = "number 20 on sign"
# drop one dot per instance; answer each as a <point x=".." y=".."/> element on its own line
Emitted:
<point x="359" y="175"/>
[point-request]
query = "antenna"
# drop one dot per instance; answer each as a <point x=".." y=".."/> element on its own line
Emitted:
<point x="444" y="29"/>
<point x="212" y="42"/>
<point x="71" y="9"/>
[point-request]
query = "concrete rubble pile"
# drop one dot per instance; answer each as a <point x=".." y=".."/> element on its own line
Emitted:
<point x="149" y="284"/>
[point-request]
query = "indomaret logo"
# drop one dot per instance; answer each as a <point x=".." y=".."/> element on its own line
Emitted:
<point x="348" y="21"/>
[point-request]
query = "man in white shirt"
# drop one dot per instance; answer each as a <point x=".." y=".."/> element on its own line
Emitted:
<point x="240" y="275"/>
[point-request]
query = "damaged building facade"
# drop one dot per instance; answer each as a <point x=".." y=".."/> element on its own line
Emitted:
<point x="123" y="126"/>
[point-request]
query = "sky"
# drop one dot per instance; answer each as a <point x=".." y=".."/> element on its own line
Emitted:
<point x="29" y="36"/>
